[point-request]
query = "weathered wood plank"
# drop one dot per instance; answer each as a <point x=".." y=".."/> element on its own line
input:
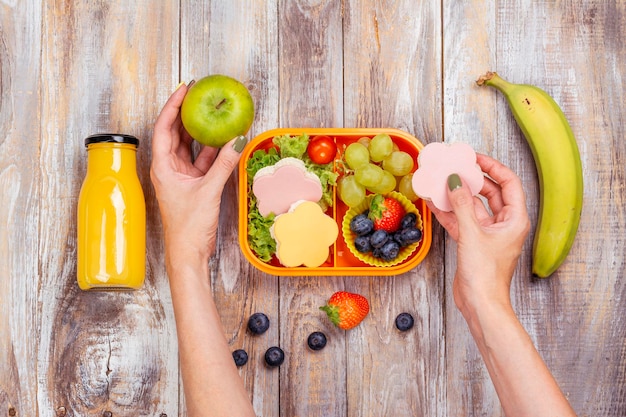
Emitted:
<point x="579" y="61"/>
<point x="20" y="37"/>
<point x="87" y="67"/>
<point x="393" y="79"/>
<point x="470" y="117"/>
<point x="311" y="95"/>
<point x="101" y="351"/>
<point x="576" y="316"/>
<point x="238" y="38"/>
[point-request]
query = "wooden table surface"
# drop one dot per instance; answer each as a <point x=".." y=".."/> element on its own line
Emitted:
<point x="69" y="69"/>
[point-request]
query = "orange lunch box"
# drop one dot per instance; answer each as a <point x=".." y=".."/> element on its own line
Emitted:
<point x="340" y="262"/>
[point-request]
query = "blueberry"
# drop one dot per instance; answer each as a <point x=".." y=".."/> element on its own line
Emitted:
<point x="408" y="236"/>
<point x="404" y="322"/>
<point x="258" y="323"/>
<point x="379" y="238"/>
<point x="274" y="356"/>
<point x="376" y="253"/>
<point x="317" y="340"/>
<point x="361" y="224"/>
<point x="389" y="251"/>
<point x="241" y="357"/>
<point x="397" y="236"/>
<point x="362" y="244"/>
<point x="409" y="220"/>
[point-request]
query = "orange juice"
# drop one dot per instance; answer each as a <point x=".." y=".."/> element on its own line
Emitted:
<point x="111" y="216"/>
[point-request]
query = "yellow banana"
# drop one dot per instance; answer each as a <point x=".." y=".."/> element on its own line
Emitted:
<point x="559" y="167"/>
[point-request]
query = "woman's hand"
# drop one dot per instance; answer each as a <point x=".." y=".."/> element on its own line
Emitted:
<point x="188" y="190"/>
<point x="489" y="245"/>
<point x="189" y="193"/>
<point x="489" y="240"/>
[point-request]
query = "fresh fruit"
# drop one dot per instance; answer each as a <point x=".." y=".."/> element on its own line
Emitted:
<point x="361" y="224"/>
<point x="241" y="357"/>
<point x="274" y="356"/>
<point x="363" y="244"/>
<point x="350" y="191"/>
<point x="386" y="213"/>
<point x="398" y="163"/>
<point x="375" y="165"/>
<point x="407" y="235"/>
<point x="365" y="141"/>
<point x="405" y="187"/>
<point x="388" y="252"/>
<point x="380" y="243"/>
<point x="369" y="175"/>
<point x="216" y="109"/>
<point x="404" y="322"/>
<point x="559" y="168"/>
<point x="346" y="310"/>
<point x="356" y="155"/>
<point x="380" y="147"/>
<point x="258" y="323"/>
<point x="409" y="220"/>
<point x="379" y="238"/>
<point x="316" y="341"/>
<point x="322" y="149"/>
<point x="386" y="185"/>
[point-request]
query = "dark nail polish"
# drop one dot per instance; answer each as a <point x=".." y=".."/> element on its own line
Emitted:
<point x="454" y="182"/>
<point x="240" y="143"/>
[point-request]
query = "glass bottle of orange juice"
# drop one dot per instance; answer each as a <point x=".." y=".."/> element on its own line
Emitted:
<point x="111" y="216"/>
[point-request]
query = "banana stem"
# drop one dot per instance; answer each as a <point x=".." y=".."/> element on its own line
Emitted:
<point x="492" y="79"/>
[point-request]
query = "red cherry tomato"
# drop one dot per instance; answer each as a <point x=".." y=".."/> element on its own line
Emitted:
<point x="321" y="149"/>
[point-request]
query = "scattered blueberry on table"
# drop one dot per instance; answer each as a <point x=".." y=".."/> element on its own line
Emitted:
<point x="274" y="356"/>
<point x="317" y="341"/>
<point x="241" y="357"/>
<point x="404" y="322"/>
<point x="258" y="323"/>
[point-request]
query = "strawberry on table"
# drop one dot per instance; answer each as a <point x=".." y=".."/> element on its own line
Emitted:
<point x="386" y="213"/>
<point x="346" y="310"/>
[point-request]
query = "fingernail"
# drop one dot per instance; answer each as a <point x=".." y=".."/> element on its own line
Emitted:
<point x="240" y="143"/>
<point x="179" y="85"/>
<point x="454" y="182"/>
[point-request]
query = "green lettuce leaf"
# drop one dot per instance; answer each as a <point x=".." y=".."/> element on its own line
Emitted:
<point x="259" y="237"/>
<point x="261" y="159"/>
<point x="292" y="146"/>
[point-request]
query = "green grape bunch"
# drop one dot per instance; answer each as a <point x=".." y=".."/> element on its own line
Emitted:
<point x="375" y="165"/>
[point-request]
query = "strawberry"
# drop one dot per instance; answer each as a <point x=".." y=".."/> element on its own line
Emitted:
<point x="346" y="310"/>
<point x="386" y="213"/>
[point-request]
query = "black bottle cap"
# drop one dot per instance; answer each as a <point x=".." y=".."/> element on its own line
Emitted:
<point x="111" y="137"/>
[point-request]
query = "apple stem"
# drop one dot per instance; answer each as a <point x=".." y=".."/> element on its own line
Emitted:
<point x="220" y="103"/>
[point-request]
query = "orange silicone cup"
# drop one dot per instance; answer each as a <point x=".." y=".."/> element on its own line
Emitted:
<point x="340" y="261"/>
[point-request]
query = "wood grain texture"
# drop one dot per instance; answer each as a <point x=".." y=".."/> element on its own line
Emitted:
<point x="70" y="68"/>
<point x="238" y="39"/>
<point x="100" y="351"/>
<point x="392" y="55"/>
<point x="20" y="39"/>
<point x="568" y="49"/>
<point x="469" y="116"/>
<point x="311" y="95"/>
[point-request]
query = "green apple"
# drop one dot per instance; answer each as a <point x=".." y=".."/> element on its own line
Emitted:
<point x="216" y="109"/>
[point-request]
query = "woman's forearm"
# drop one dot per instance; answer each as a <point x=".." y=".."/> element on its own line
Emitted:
<point x="523" y="382"/>
<point x="213" y="386"/>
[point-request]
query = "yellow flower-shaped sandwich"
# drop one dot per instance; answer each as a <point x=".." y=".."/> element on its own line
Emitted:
<point x="303" y="235"/>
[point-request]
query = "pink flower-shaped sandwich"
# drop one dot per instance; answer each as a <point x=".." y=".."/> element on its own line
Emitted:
<point x="303" y="235"/>
<point x="278" y="186"/>
<point x="436" y="162"/>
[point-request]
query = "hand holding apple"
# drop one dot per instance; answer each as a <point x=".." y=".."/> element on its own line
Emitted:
<point x="216" y="109"/>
